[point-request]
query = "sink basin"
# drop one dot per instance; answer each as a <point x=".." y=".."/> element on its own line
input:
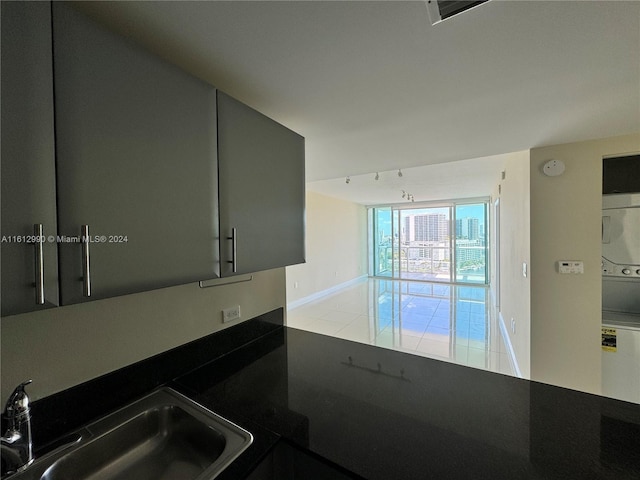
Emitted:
<point x="163" y="436"/>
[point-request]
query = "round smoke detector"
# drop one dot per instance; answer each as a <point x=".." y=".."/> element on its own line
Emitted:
<point x="553" y="168"/>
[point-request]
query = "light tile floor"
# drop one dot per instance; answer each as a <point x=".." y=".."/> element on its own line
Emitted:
<point x="452" y="323"/>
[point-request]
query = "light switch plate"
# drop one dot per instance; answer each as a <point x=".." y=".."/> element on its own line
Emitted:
<point x="570" y="266"/>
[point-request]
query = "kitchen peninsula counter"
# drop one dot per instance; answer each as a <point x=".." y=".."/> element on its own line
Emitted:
<point x="383" y="414"/>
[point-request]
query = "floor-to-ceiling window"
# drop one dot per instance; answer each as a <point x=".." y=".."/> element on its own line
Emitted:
<point x="425" y="244"/>
<point x="382" y="241"/>
<point x="441" y="242"/>
<point x="471" y="244"/>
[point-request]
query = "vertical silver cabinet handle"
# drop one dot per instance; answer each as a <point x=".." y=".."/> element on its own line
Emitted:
<point x="234" y="250"/>
<point x="86" y="269"/>
<point x="38" y="233"/>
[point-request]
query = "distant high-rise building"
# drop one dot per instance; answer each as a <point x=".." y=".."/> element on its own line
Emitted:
<point x="428" y="227"/>
<point x="468" y="228"/>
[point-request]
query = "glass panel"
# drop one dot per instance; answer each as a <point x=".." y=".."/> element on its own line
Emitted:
<point x="396" y="243"/>
<point x="471" y="243"/>
<point x="422" y="242"/>
<point x="382" y="236"/>
<point x="424" y="238"/>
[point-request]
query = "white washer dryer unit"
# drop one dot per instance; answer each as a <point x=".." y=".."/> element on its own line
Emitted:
<point x="621" y="361"/>
<point x="621" y="235"/>
<point x="621" y="296"/>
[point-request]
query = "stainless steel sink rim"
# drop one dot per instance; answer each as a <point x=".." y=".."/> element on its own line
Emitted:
<point x="236" y="438"/>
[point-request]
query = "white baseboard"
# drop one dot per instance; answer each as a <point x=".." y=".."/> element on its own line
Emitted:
<point x="507" y="341"/>
<point x="324" y="293"/>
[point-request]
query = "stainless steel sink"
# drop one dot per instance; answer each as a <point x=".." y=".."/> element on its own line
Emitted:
<point x="163" y="436"/>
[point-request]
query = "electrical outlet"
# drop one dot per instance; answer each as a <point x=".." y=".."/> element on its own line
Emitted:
<point x="230" y="314"/>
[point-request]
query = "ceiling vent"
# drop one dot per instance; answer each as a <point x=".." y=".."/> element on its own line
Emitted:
<point x="440" y="10"/>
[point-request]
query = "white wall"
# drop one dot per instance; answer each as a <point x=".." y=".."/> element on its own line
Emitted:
<point x="566" y="225"/>
<point x="336" y="241"/>
<point x="62" y="347"/>
<point x="515" y="300"/>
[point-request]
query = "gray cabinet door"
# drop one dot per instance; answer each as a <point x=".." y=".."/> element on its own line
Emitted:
<point x="261" y="167"/>
<point x="28" y="162"/>
<point x="136" y="162"/>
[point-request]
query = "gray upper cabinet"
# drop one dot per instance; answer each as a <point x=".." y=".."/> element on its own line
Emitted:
<point x="261" y="168"/>
<point x="139" y="175"/>
<point x="136" y="162"/>
<point x="28" y="162"/>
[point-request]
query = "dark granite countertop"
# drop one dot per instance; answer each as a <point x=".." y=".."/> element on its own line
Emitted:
<point x="386" y="415"/>
<point x="377" y="413"/>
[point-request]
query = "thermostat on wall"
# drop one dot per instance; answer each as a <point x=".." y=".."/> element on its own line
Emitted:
<point x="553" y="168"/>
<point x="570" y="266"/>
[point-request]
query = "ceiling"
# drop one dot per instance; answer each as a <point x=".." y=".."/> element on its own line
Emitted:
<point x="471" y="178"/>
<point x="373" y="86"/>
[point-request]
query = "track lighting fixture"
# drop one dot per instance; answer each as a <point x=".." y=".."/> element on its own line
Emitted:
<point x="399" y="172"/>
<point x="347" y="180"/>
<point x="377" y="176"/>
<point x="408" y="196"/>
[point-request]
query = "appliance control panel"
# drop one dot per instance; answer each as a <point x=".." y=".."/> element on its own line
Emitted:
<point x="611" y="269"/>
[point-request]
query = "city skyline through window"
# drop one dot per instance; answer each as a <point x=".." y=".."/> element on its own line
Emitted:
<point x="424" y="242"/>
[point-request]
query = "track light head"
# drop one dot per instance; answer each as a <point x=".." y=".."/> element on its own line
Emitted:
<point x="347" y="180"/>
<point x="377" y="176"/>
<point x="399" y="172"/>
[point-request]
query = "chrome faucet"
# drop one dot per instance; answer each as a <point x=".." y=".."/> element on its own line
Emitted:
<point x="16" y="443"/>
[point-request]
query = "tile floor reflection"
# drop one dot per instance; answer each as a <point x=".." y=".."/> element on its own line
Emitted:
<point x="453" y="323"/>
